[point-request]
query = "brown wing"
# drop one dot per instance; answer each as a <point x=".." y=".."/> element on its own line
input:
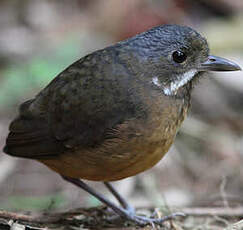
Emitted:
<point x="78" y="109"/>
<point x="30" y="137"/>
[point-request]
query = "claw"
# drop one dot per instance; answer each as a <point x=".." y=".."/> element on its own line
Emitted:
<point x="142" y="220"/>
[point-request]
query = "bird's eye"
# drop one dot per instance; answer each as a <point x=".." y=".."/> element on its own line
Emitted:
<point x="179" y="56"/>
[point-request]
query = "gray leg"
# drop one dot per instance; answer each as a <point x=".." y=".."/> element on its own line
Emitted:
<point x="125" y="214"/>
<point x="120" y="199"/>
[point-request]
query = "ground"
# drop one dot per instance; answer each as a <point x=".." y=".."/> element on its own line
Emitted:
<point x="100" y="218"/>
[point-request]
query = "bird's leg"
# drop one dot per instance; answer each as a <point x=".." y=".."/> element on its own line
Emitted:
<point x="99" y="196"/>
<point x="120" y="199"/>
<point x="125" y="214"/>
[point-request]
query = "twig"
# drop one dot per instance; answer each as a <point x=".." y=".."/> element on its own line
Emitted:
<point x="216" y="211"/>
<point x="236" y="226"/>
<point x="26" y="218"/>
<point x="223" y="192"/>
<point x="46" y="218"/>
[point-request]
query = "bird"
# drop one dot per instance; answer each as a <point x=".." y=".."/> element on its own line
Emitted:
<point x="115" y="112"/>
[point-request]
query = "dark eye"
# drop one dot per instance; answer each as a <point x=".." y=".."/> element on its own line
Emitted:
<point x="179" y="56"/>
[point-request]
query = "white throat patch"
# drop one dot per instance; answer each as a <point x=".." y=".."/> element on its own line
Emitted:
<point x="181" y="80"/>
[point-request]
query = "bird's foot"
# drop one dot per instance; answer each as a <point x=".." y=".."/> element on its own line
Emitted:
<point x="130" y="210"/>
<point x="143" y="220"/>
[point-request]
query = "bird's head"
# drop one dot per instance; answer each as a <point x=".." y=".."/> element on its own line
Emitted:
<point x="176" y="55"/>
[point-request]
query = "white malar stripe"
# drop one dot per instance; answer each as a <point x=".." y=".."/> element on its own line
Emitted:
<point x="179" y="82"/>
<point x="155" y="80"/>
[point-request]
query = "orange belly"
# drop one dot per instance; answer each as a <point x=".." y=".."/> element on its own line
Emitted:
<point x="101" y="165"/>
<point x="139" y="146"/>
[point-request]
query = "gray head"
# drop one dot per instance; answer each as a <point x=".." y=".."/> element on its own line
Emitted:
<point x="175" y="55"/>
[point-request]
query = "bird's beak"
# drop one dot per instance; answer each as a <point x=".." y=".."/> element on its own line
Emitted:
<point x="214" y="63"/>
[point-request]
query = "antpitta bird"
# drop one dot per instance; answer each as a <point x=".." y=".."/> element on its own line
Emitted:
<point x="115" y="112"/>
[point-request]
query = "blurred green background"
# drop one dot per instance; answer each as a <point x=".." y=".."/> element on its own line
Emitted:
<point x="39" y="38"/>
